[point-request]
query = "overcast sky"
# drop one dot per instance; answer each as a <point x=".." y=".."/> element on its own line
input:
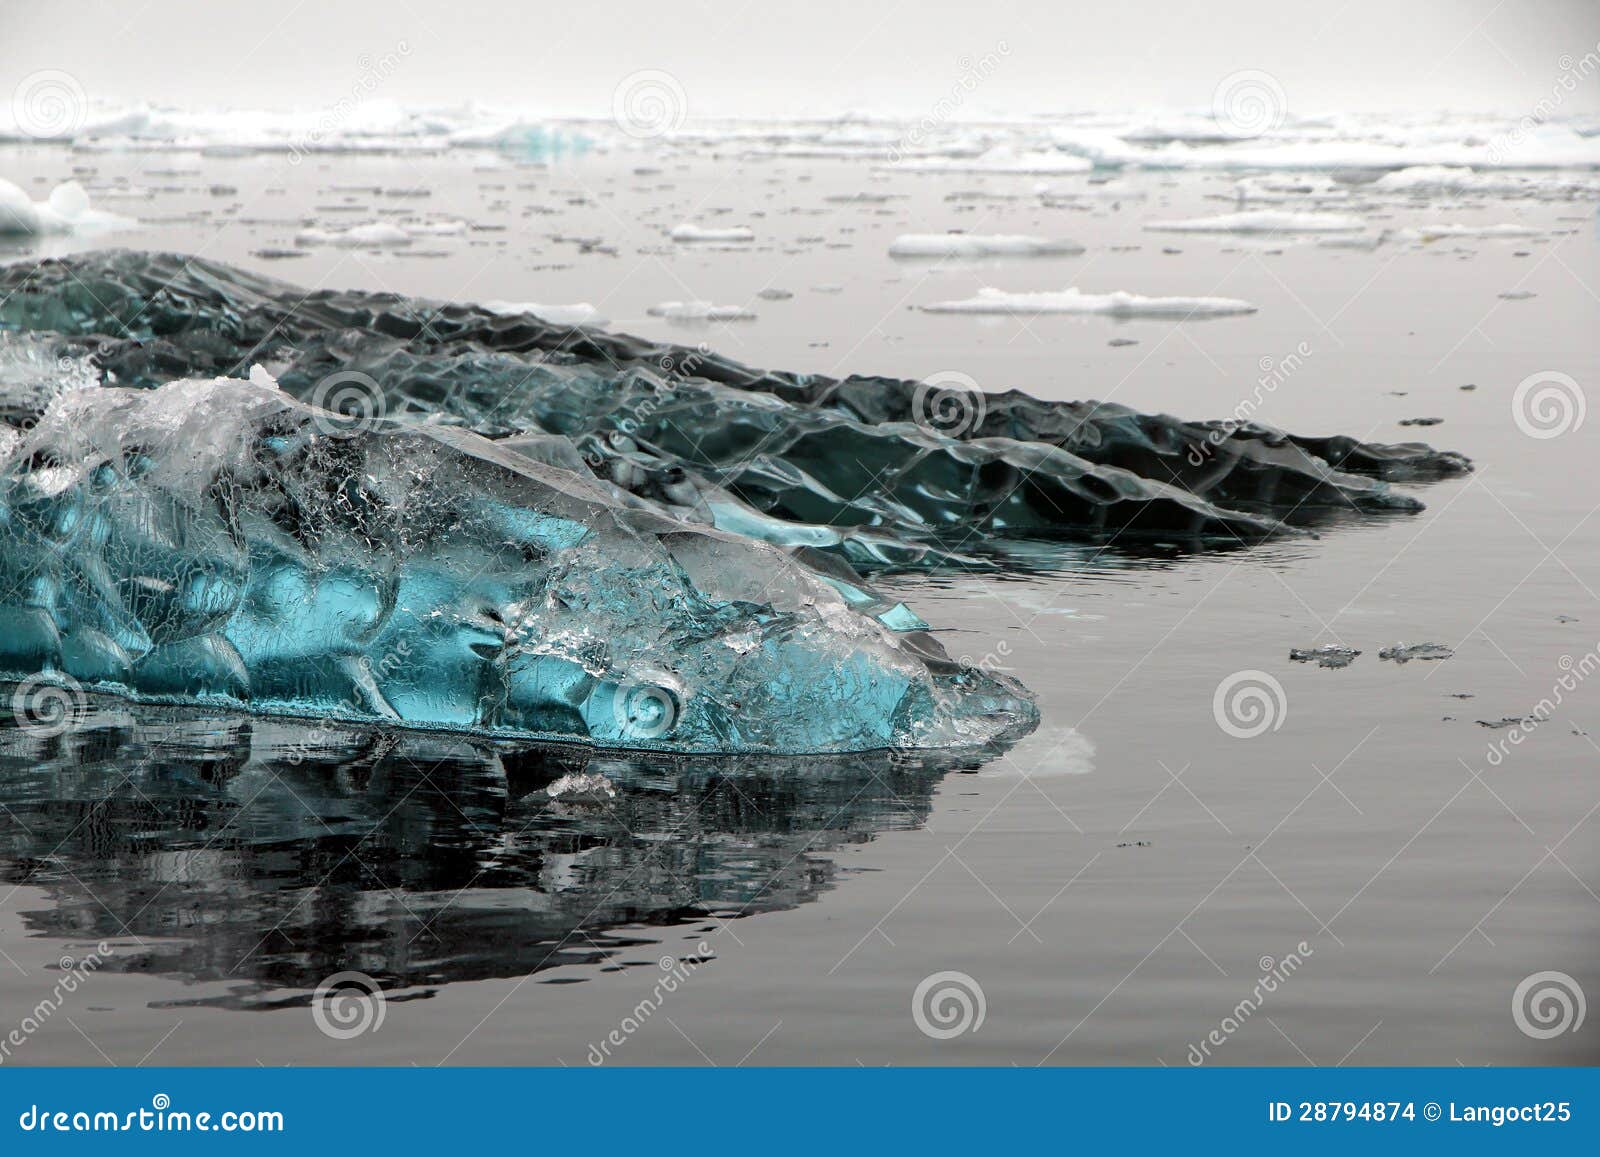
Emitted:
<point x="827" y="56"/>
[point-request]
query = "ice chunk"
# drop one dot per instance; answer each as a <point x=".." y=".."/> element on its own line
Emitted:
<point x="1115" y="304"/>
<point x="66" y="210"/>
<point x="1329" y="655"/>
<point x="1454" y="179"/>
<point x="218" y="541"/>
<point x="882" y="472"/>
<point x="979" y="245"/>
<point x="693" y="233"/>
<point x="1002" y="159"/>
<point x="700" y="311"/>
<point x="1262" y="221"/>
<point x="1405" y="652"/>
<point x="1499" y="230"/>
<point x="374" y="236"/>
<point x="578" y="313"/>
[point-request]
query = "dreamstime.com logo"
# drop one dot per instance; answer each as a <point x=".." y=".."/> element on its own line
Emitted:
<point x="348" y="1005"/>
<point x="49" y="104"/>
<point x="1249" y="703"/>
<point x="1248" y="103"/>
<point x="1548" y="1004"/>
<point x="649" y="103"/>
<point x="948" y="403"/>
<point x="1548" y="404"/>
<point x="948" y="1004"/>
<point x="46" y="708"/>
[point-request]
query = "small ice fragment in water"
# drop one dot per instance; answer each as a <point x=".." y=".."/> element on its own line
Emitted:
<point x="1405" y="652"/>
<point x="580" y="786"/>
<point x="1503" y="721"/>
<point x="1325" y="656"/>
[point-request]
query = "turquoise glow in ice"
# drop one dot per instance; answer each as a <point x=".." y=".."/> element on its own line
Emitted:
<point x="220" y="541"/>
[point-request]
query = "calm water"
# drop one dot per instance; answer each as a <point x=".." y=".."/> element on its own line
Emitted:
<point x="1115" y="885"/>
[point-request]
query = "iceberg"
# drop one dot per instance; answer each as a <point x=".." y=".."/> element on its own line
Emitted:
<point x="217" y="487"/>
<point x="219" y="541"/>
<point x="881" y="472"/>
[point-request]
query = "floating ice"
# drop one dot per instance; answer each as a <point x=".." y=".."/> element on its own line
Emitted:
<point x="879" y="471"/>
<point x="1262" y="221"/>
<point x="578" y="313"/>
<point x="1328" y="655"/>
<point x="1403" y="653"/>
<point x="1441" y="231"/>
<point x="365" y="126"/>
<point x="979" y="245"/>
<point x="700" y="311"/>
<point x="218" y="541"/>
<point x="1446" y="179"/>
<point x="66" y="210"/>
<point x="1061" y="144"/>
<point x="698" y="233"/>
<point x="1116" y="304"/>
<point x="375" y="236"/>
<point x="1002" y="159"/>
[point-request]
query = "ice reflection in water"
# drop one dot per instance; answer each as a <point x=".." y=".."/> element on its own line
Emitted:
<point x="226" y="849"/>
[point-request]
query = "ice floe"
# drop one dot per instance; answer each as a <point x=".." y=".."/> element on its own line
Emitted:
<point x="979" y="245"/>
<point x="1116" y="304"/>
<point x="578" y="313"/>
<point x="693" y="233"/>
<point x="700" y="311"/>
<point x="1262" y="221"/>
<point x="1000" y="159"/>
<point x="1441" y="231"/>
<point x="66" y="210"/>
